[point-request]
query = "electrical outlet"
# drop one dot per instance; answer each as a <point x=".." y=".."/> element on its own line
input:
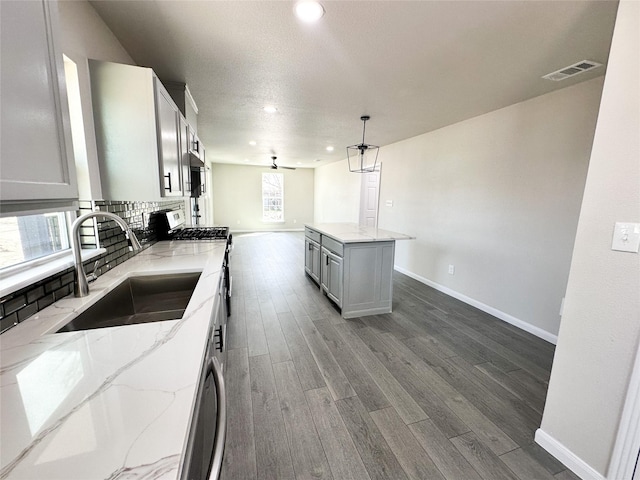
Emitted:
<point x="452" y="269"/>
<point x="295" y="221"/>
<point x="389" y="203"/>
<point x="238" y="222"/>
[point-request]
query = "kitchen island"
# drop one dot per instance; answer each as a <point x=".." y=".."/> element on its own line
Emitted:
<point x="353" y="265"/>
<point x="110" y="402"/>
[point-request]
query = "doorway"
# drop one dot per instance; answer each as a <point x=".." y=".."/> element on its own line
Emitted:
<point x="369" y="197"/>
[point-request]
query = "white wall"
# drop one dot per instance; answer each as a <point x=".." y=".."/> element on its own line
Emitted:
<point x="497" y="196"/>
<point x="84" y="35"/>
<point x="600" y="328"/>
<point x="237" y="197"/>
<point x="337" y="194"/>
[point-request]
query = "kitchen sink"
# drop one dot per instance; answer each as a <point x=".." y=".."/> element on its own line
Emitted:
<point x="141" y="299"/>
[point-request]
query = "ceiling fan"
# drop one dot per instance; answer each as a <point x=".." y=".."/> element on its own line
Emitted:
<point x="275" y="167"/>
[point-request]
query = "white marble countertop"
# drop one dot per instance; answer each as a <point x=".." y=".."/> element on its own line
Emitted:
<point x="354" y="233"/>
<point x="110" y="402"/>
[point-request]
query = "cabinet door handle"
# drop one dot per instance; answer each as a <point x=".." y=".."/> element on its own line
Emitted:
<point x="168" y="176"/>
<point x="221" y="418"/>
<point x="327" y="261"/>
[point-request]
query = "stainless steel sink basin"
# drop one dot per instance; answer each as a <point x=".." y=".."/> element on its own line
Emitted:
<point x="143" y="299"/>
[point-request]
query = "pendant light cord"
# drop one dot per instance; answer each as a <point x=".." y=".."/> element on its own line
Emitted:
<point x="364" y="126"/>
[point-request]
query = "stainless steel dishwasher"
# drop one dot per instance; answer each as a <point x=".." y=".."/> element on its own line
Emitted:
<point x="205" y="444"/>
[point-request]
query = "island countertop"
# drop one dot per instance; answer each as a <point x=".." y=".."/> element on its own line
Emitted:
<point x="354" y="233"/>
<point x="111" y="402"/>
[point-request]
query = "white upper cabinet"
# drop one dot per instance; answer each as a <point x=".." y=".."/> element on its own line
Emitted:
<point x="36" y="157"/>
<point x="168" y="124"/>
<point x="137" y="133"/>
<point x="184" y="155"/>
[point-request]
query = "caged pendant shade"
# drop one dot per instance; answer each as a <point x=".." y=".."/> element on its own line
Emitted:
<point x="362" y="157"/>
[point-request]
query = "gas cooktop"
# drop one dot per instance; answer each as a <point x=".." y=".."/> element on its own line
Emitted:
<point x="172" y="227"/>
<point x="200" y="233"/>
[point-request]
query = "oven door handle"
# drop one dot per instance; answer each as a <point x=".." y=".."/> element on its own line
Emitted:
<point x="213" y="365"/>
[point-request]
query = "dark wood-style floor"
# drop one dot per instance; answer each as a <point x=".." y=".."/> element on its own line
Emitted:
<point x="435" y="390"/>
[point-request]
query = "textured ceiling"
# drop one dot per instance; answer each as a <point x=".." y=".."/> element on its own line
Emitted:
<point x="413" y="66"/>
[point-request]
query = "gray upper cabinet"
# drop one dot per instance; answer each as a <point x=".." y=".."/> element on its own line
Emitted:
<point x="36" y="156"/>
<point x="137" y="133"/>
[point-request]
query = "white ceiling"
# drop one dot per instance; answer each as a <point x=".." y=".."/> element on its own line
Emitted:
<point x="413" y="66"/>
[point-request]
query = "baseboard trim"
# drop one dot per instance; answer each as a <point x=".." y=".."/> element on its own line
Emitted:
<point x="566" y="456"/>
<point x="527" y="327"/>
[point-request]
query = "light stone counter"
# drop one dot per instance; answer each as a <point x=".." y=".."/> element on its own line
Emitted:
<point x="110" y="402"/>
<point x="354" y="233"/>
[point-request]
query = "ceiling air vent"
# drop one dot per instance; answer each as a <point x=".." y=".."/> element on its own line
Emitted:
<point x="572" y="70"/>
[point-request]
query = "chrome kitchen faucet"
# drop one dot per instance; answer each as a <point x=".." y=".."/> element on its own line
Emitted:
<point x="81" y="285"/>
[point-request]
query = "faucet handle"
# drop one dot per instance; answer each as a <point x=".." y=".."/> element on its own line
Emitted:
<point x="132" y="241"/>
<point x="93" y="275"/>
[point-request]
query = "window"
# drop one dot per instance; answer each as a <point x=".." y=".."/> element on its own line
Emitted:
<point x="272" y="197"/>
<point x="31" y="236"/>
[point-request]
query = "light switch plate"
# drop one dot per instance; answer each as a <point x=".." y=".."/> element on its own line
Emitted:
<point x="626" y="237"/>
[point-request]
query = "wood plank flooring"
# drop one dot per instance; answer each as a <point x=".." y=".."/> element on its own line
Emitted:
<point x="435" y="390"/>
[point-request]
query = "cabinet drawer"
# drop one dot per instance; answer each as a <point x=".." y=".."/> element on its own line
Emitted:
<point x="332" y="245"/>
<point x="312" y="234"/>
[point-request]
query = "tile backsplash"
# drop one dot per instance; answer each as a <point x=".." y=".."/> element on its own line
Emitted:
<point x="96" y="233"/>
<point x="107" y="234"/>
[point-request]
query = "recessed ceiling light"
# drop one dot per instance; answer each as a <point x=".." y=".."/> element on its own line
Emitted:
<point x="299" y="163"/>
<point x="270" y="109"/>
<point x="309" y="11"/>
<point x="253" y="143"/>
<point x="329" y="149"/>
<point x="246" y="160"/>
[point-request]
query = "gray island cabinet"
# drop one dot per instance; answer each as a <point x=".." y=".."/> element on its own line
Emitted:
<point x="353" y="265"/>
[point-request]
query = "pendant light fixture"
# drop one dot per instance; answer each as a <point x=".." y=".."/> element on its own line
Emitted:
<point x="363" y="157"/>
